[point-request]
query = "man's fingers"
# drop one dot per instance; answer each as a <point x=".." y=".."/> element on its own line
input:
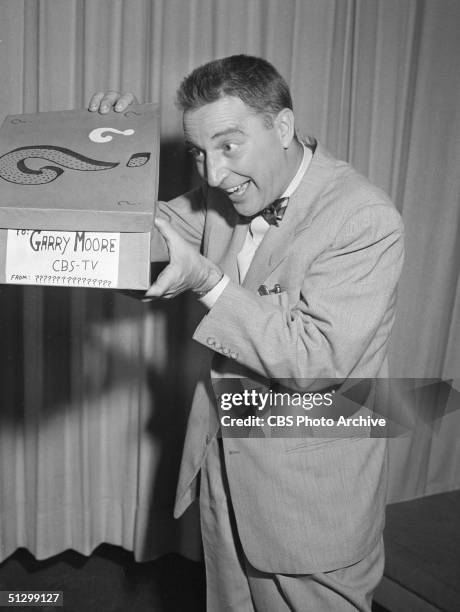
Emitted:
<point x="104" y="101"/>
<point x="108" y="101"/>
<point x="95" y="101"/>
<point x="124" y="101"/>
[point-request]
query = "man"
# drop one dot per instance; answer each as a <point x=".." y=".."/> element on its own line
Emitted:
<point x="303" y="293"/>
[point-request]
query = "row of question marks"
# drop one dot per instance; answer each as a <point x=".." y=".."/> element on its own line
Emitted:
<point x="71" y="280"/>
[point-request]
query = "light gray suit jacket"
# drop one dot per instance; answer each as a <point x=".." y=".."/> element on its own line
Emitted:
<point x="301" y="505"/>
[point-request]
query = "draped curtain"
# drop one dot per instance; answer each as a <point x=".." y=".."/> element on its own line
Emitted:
<point x="95" y="386"/>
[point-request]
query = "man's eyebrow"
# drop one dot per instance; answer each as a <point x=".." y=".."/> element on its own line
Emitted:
<point x="189" y="143"/>
<point x="226" y="132"/>
<point x="230" y="130"/>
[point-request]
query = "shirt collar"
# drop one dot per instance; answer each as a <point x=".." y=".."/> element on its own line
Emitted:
<point x="259" y="226"/>
<point x="306" y="159"/>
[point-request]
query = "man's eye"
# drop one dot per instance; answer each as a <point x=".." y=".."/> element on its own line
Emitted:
<point x="196" y="154"/>
<point x="229" y="147"/>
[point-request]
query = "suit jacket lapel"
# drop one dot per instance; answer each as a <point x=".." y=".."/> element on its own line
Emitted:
<point x="229" y="263"/>
<point x="225" y="234"/>
<point x="298" y="216"/>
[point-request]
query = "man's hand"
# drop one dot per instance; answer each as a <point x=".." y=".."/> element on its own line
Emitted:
<point x="105" y="101"/>
<point x="187" y="269"/>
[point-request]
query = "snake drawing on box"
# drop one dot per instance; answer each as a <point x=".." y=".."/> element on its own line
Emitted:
<point x="13" y="166"/>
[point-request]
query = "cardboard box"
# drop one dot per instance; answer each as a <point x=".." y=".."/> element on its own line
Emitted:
<point x="77" y="198"/>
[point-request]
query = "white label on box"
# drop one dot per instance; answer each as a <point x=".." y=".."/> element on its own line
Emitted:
<point x="65" y="259"/>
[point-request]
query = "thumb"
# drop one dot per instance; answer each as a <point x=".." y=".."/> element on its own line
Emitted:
<point x="166" y="230"/>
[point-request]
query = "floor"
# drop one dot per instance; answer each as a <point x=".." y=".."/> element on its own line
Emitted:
<point x="422" y="547"/>
<point x="109" y="581"/>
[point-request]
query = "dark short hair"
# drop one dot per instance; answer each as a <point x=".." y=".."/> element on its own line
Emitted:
<point x="252" y="79"/>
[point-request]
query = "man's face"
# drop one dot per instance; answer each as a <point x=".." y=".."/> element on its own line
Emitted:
<point x="237" y="152"/>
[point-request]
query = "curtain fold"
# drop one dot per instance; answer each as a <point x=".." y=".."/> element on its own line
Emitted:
<point x="425" y="341"/>
<point x="96" y="386"/>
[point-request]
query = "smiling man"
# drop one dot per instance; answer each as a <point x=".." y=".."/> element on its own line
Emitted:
<point x="296" y="257"/>
<point x="252" y="158"/>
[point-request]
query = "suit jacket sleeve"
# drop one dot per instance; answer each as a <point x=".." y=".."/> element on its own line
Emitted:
<point x="344" y="307"/>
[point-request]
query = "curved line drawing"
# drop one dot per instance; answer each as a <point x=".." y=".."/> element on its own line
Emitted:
<point x="14" y="169"/>
<point x="130" y="113"/>
<point x="97" y="135"/>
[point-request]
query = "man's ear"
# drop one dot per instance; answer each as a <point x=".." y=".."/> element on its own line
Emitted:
<point x="285" y="124"/>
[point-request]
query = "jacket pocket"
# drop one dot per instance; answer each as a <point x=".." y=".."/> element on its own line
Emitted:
<point x="322" y="443"/>
<point x="277" y="299"/>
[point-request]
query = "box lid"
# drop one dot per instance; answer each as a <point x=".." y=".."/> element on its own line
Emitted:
<point x="74" y="170"/>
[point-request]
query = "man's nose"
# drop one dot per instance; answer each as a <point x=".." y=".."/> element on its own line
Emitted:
<point x="215" y="171"/>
